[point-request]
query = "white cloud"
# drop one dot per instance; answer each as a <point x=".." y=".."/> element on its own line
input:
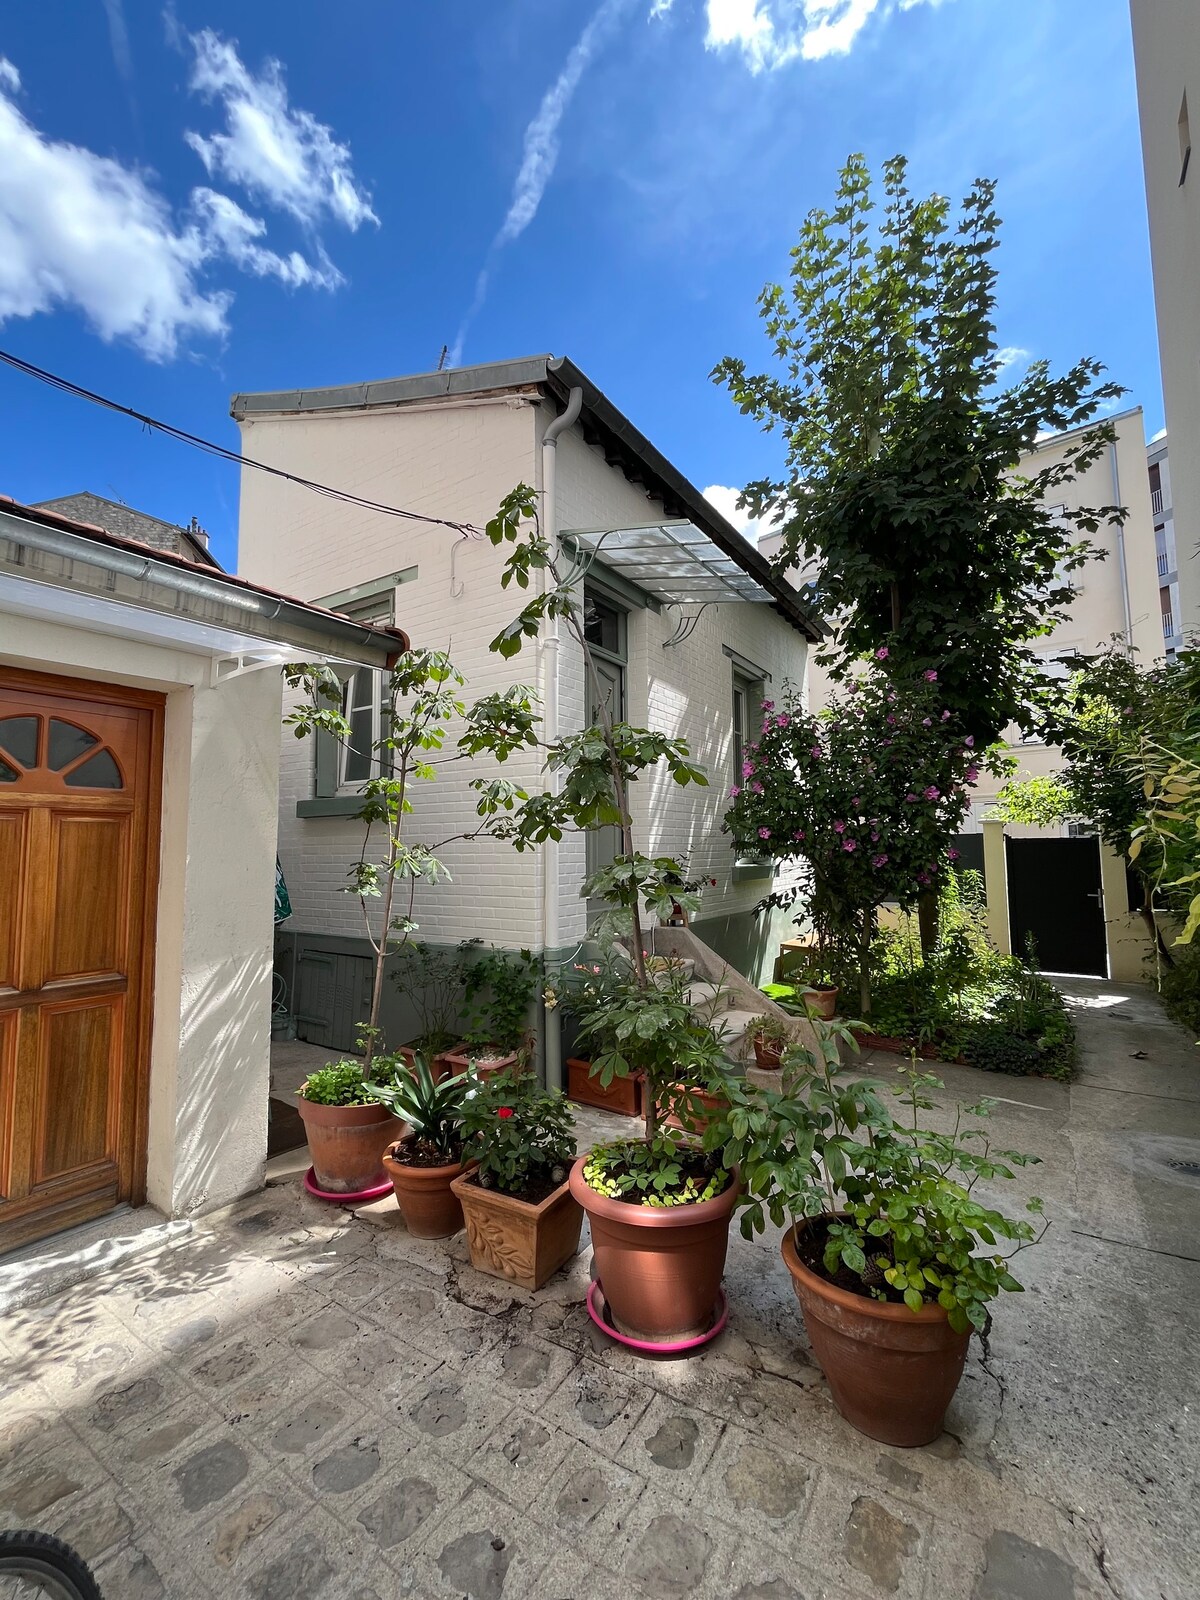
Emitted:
<point x="278" y="153"/>
<point x="540" y="153"/>
<point x="80" y="230"/>
<point x="770" y="33"/>
<point x="1010" y="356"/>
<point x="118" y="35"/>
<point x="725" y="500"/>
<point x="660" y="8"/>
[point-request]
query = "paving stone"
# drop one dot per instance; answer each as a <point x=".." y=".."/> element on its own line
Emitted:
<point x="304" y="1569"/>
<point x="346" y="1467"/>
<point x="229" y="1363"/>
<point x="399" y="1512"/>
<point x="521" y="1456"/>
<point x="749" y="1480"/>
<point x="586" y="1498"/>
<point x="131" y="1406"/>
<point x="190" y="1335"/>
<point x="296" y="1433"/>
<point x="480" y="1548"/>
<point x="28" y="1492"/>
<point x="477" y="1563"/>
<point x="598" y="1406"/>
<point x="864" y="1540"/>
<point x="667" y="1551"/>
<point x="670" y="1445"/>
<point x="384" y="1371"/>
<point x="207" y="1476"/>
<point x="133" y="1575"/>
<point x="879" y="1543"/>
<point x="400" y="1509"/>
<point x="524" y="1367"/>
<point x="1014" y="1569"/>
<point x="94" y="1526"/>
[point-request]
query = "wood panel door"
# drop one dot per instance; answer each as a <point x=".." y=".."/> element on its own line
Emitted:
<point x="80" y="775"/>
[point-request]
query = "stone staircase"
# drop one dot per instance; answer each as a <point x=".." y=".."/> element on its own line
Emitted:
<point x="716" y="1004"/>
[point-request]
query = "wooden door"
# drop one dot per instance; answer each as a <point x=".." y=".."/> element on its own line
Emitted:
<point x="80" y="769"/>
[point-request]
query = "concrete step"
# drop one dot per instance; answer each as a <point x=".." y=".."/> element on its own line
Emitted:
<point x="731" y="1027"/>
<point x="682" y="966"/>
<point x="708" y="1000"/>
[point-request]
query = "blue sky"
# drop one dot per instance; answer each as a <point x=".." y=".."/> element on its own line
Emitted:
<point x="214" y="197"/>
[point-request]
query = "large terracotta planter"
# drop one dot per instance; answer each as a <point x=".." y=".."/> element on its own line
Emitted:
<point x="823" y="1000"/>
<point x="439" y="1066"/>
<point x="427" y="1201"/>
<point x="512" y="1239"/>
<point x="892" y="1372"/>
<point x="347" y="1144"/>
<point x="660" y="1266"/>
<point x="623" y="1095"/>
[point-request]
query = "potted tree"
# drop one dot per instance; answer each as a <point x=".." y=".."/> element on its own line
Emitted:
<point x="425" y="1161"/>
<point x="347" y="1127"/>
<point x="892" y="1258"/>
<point x="522" y="1221"/>
<point x="659" y="1207"/>
<point x="498" y="988"/>
<point x="432" y="980"/>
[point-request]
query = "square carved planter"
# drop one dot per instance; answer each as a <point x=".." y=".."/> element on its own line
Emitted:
<point x="509" y="1238"/>
<point x="623" y="1095"/>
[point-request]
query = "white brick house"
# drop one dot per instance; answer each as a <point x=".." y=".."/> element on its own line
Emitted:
<point x="451" y="445"/>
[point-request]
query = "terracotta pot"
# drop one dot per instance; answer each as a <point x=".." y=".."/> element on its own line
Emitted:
<point x="486" y="1065"/>
<point x="660" y="1266"/>
<point x="512" y="1239"/>
<point x="712" y="1106"/>
<point x="347" y="1144"/>
<point x="439" y="1066"/>
<point x="767" y="1056"/>
<point x="823" y="999"/>
<point x="427" y="1202"/>
<point x="892" y="1371"/>
<point x="623" y="1095"/>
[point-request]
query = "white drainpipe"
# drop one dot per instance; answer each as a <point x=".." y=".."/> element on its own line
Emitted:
<point x="550" y="641"/>
<point x="1116" y="478"/>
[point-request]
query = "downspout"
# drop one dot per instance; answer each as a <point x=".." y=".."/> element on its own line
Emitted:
<point x="550" y="641"/>
<point x="1125" y="606"/>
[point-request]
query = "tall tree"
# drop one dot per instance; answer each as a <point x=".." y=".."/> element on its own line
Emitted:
<point x="901" y="493"/>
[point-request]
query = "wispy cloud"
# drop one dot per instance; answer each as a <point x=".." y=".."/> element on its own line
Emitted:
<point x="277" y="152"/>
<point x="540" y="154"/>
<point x="1011" y="355"/>
<point x="118" y="35"/>
<point x="771" y="33"/>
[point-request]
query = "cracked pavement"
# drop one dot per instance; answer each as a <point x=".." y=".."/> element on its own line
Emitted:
<point x="294" y="1398"/>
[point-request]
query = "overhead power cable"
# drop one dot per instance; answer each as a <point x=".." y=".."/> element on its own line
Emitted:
<point x="468" y="529"/>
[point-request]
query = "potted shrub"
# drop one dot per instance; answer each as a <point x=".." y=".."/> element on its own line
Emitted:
<point x="433" y="980"/>
<point x="770" y="1037"/>
<point x="522" y="1221"/>
<point x="425" y="1161"/>
<point x="498" y="988"/>
<point x="347" y="1128"/>
<point x="882" y="1232"/>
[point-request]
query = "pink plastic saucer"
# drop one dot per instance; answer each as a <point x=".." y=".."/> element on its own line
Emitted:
<point x="377" y="1193"/>
<point x="597" y="1307"/>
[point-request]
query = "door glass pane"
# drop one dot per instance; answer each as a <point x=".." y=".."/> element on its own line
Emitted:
<point x="97" y="772"/>
<point x="7" y="774"/>
<point x="602" y="624"/>
<point x="66" y="743"/>
<point x="358" y="756"/>
<point x="19" y="738"/>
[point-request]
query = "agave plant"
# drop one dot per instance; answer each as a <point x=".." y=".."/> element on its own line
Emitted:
<point x="432" y="1110"/>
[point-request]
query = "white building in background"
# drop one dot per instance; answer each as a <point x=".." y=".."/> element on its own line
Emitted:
<point x="1119" y="592"/>
<point x="1166" y="44"/>
<point x="1165" y="549"/>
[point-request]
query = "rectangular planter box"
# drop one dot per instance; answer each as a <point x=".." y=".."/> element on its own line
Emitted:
<point x="439" y="1066"/>
<point x="899" y="1047"/>
<point x="623" y="1095"/>
<point x="461" y="1057"/>
<point x="713" y="1106"/>
<point x="512" y="1239"/>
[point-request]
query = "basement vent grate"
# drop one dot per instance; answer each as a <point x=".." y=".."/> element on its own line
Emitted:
<point x="1189" y="1169"/>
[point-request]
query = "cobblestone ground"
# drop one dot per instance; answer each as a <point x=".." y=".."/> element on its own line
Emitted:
<point x="294" y="1401"/>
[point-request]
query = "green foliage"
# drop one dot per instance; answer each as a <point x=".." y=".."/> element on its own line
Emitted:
<point x="432" y="1110"/>
<point x="341" y="1083"/>
<point x="519" y="1133"/>
<point x="499" y="990"/>
<point x="898" y="1196"/>
<point x="771" y="1031"/>
<point x="1037" y="802"/>
<point x="1179" y="989"/>
<point x="663" y="1171"/>
<point x="1166" y="844"/>
<point x="899" y="489"/>
<point x="432" y="981"/>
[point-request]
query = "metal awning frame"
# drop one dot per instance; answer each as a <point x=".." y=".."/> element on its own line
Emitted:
<point x="676" y="562"/>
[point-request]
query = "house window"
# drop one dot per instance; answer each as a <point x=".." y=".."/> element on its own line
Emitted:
<point x="1185" y="141"/>
<point x="1058" y="666"/>
<point x="365" y="703"/>
<point x="605" y="627"/>
<point x="747" y="718"/>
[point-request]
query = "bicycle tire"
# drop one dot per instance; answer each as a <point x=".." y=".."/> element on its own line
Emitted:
<point x="40" y="1557"/>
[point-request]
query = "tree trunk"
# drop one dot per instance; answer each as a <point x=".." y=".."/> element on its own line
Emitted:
<point x="1146" y="911"/>
<point x="928" y="920"/>
<point x="864" y="964"/>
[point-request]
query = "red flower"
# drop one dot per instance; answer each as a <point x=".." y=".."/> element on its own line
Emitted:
<point x="504" y="1111"/>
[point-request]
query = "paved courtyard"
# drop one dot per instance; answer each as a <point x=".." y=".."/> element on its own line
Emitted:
<point x="292" y="1400"/>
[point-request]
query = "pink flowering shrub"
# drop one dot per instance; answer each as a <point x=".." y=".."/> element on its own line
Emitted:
<point x="869" y="795"/>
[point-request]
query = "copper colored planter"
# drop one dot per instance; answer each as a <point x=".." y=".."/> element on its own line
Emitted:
<point x="892" y="1371"/>
<point x="823" y="1001"/>
<point x="427" y="1202"/>
<point x="515" y="1240"/>
<point x="347" y="1144"/>
<point x="768" y="1056"/>
<point x="660" y="1266"/>
<point x="462" y="1057"/>
<point x="623" y="1095"/>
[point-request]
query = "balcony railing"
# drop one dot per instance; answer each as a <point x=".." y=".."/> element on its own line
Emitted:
<point x="1168" y="625"/>
<point x="1156" y="501"/>
<point x="1164" y="565"/>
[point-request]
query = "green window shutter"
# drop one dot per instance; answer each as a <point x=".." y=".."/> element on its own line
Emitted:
<point x="325" y="766"/>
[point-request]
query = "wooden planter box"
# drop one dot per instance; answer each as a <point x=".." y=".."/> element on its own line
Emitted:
<point x="509" y="1238"/>
<point x="713" y="1104"/>
<point x="899" y="1047"/>
<point x="623" y="1095"/>
<point x="463" y="1057"/>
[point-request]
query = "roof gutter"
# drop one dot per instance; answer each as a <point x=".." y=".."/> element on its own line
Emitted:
<point x="342" y="636"/>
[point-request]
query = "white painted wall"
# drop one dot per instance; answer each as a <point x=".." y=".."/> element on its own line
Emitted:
<point x="209" y="1060"/>
<point x="457" y="460"/>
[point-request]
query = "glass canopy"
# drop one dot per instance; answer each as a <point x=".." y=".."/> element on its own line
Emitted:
<point x="673" y="561"/>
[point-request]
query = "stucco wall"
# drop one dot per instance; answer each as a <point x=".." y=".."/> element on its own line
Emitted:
<point x="209" y="1066"/>
<point x="459" y="461"/>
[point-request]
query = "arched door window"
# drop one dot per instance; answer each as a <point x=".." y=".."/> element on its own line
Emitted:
<point x="49" y="751"/>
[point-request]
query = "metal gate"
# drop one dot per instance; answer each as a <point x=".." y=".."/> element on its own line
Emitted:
<point x="1054" y="894"/>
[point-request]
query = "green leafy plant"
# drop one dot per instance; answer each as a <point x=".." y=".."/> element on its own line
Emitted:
<point x="772" y="1032"/>
<point x="520" y="1134"/>
<point x="659" y="1172"/>
<point x="432" y="979"/>
<point x="340" y="1083"/>
<point x="499" y="988"/>
<point x="432" y="1110"/>
<point x="895" y="1199"/>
